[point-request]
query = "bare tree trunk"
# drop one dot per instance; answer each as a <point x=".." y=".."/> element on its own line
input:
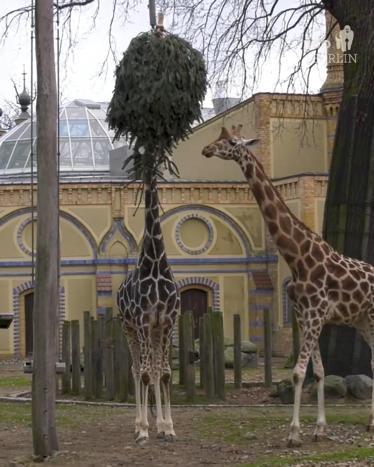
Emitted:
<point x="46" y="289"/>
<point x="349" y="210"/>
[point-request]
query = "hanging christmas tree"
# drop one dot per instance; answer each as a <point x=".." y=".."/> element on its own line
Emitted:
<point x="160" y="85"/>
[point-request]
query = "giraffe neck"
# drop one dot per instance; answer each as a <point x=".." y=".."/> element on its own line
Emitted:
<point x="292" y="238"/>
<point x="153" y="242"/>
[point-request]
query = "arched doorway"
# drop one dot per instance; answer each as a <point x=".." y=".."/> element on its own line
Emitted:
<point x="29" y="334"/>
<point x="195" y="300"/>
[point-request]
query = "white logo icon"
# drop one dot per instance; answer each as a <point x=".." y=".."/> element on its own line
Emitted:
<point x="344" y="39"/>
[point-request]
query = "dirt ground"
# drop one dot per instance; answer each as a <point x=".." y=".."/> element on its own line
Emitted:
<point x="103" y="436"/>
<point x="253" y="435"/>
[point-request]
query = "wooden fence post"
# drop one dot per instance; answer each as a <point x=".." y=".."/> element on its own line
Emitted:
<point x="201" y="350"/>
<point x="121" y="363"/>
<point x="237" y="352"/>
<point x="188" y="354"/>
<point x="87" y="355"/>
<point x="208" y="356"/>
<point x="108" y="355"/>
<point x="66" y="358"/>
<point x="94" y="354"/>
<point x="75" y="357"/>
<point x="268" y="347"/>
<point x="218" y="354"/>
<point x="181" y="349"/>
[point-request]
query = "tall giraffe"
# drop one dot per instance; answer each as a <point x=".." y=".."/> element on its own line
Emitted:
<point x="148" y="301"/>
<point x="326" y="286"/>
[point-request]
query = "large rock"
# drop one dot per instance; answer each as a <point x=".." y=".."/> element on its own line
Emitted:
<point x="246" y="346"/>
<point x="285" y="391"/>
<point x="248" y="360"/>
<point x="335" y="386"/>
<point x="359" y="386"/>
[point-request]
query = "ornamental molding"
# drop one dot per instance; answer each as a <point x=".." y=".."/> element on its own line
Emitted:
<point x="207" y="244"/>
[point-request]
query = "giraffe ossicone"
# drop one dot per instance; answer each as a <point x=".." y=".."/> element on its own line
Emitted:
<point x="326" y="287"/>
<point x="148" y="302"/>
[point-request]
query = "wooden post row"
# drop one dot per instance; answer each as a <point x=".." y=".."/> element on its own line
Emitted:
<point x="218" y="354"/>
<point x="66" y="352"/>
<point x="75" y="357"/>
<point x="208" y="356"/>
<point x="188" y="354"/>
<point x="268" y="347"/>
<point x="237" y="352"/>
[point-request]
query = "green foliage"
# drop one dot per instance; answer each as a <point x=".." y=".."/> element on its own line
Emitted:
<point x="160" y="85"/>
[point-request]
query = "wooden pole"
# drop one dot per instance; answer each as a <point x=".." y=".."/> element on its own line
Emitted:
<point x="75" y="357"/>
<point x="121" y="363"/>
<point x="188" y="353"/>
<point x="66" y="357"/>
<point x="181" y="349"/>
<point x="94" y="353"/>
<point x="218" y="354"/>
<point x="108" y="355"/>
<point x="88" y="376"/>
<point x="99" y="360"/>
<point x="268" y="347"/>
<point x="45" y="321"/>
<point x="208" y="354"/>
<point x="237" y="352"/>
<point x="201" y="345"/>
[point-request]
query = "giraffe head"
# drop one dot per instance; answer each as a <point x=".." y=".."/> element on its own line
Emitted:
<point x="228" y="145"/>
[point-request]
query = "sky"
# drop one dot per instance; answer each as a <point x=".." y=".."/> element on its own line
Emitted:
<point x="80" y="69"/>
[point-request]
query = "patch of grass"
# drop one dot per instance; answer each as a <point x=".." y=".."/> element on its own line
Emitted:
<point x="68" y="416"/>
<point x="353" y="454"/>
<point x="15" y="382"/>
<point x="15" y="414"/>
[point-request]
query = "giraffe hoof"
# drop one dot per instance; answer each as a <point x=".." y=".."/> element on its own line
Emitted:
<point x="136" y="434"/>
<point x="161" y="435"/>
<point x="141" y="440"/>
<point x="319" y="433"/>
<point x="370" y="428"/>
<point x="294" y="442"/>
<point x="170" y="437"/>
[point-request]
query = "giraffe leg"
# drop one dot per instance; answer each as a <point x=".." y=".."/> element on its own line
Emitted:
<point x="145" y="379"/>
<point x="157" y="365"/>
<point x="165" y="383"/>
<point x="319" y="375"/>
<point x="309" y="341"/>
<point x="133" y="342"/>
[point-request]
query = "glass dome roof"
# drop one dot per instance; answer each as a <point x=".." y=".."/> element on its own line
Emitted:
<point x="85" y="141"/>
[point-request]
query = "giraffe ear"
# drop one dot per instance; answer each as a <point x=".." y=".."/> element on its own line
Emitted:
<point x="251" y="142"/>
<point x="225" y="134"/>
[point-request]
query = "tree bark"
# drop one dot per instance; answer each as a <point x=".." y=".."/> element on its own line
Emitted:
<point x="46" y="288"/>
<point x="349" y="209"/>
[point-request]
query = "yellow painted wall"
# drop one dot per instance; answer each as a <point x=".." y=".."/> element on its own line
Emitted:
<point x="226" y="242"/>
<point x="235" y="300"/>
<point x="73" y="242"/>
<point x="80" y="296"/>
<point x="319" y="209"/>
<point x="298" y="146"/>
<point x="250" y="219"/>
<point x="192" y="165"/>
<point x="8" y="245"/>
<point x="96" y="218"/>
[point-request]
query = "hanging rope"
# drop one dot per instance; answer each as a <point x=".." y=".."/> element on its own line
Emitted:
<point x="32" y="142"/>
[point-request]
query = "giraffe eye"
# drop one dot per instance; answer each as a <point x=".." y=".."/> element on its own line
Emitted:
<point x="232" y="142"/>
